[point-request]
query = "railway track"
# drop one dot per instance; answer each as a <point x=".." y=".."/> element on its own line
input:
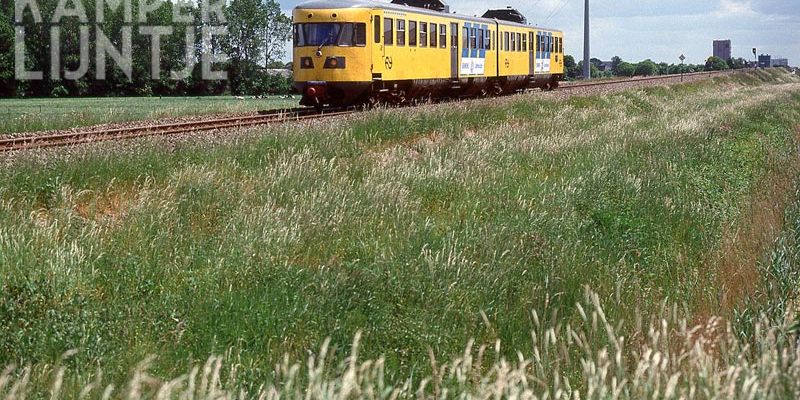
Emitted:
<point x="268" y="117"/>
<point x="581" y="84"/>
<point x="72" y="138"/>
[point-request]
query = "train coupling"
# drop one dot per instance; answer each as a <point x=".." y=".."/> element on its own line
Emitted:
<point x="314" y="94"/>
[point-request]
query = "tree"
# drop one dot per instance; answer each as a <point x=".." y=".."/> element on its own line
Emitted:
<point x="737" y="63"/>
<point x="663" y="68"/>
<point x="8" y="85"/>
<point x="278" y="31"/>
<point x="258" y="32"/>
<point x="647" y="68"/>
<point x="716" y="64"/>
<point x="615" y="62"/>
<point x="594" y="71"/>
<point x="625" y="69"/>
<point x="246" y="22"/>
<point x="596" y="62"/>
<point x="570" y="68"/>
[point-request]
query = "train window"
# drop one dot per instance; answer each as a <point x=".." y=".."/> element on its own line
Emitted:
<point x="412" y="33"/>
<point x="473" y="38"/>
<point x="524" y="42"/>
<point x="423" y="34"/>
<point x="494" y="40"/>
<point x="561" y="45"/>
<point x="465" y="39"/>
<point x="513" y="42"/>
<point x="434" y="36"/>
<point x="360" y="34"/>
<point x="443" y="36"/>
<point x="401" y="32"/>
<point x="388" y="31"/>
<point x="487" y="39"/>
<point x="519" y="42"/>
<point x="541" y="42"/>
<point x="330" y="34"/>
<point x="481" y="40"/>
<point x="506" y="41"/>
<point x="376" y="20"/>
<point x="532" y="41"/>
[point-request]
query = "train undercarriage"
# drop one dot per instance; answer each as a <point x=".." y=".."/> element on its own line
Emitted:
<point x="319" y="93"/>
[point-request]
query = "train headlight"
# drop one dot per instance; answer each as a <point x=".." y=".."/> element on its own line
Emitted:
<point x="306" y="63"/>
<point x="335" y="63"/>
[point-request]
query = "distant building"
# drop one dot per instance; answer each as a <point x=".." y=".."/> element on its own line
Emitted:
<point x="606" y="66"/>
<point x="764" y="61"/>
<point x="722" y="49"/>
<point x="780" y="62"/>
<point x="286" y="73"/>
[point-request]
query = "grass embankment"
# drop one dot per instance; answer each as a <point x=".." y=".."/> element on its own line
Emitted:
<point x="422" y="229"/>
<point x="28" y="115"/>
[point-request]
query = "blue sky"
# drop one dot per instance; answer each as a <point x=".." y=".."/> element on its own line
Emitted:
<point x="660" y="30"/>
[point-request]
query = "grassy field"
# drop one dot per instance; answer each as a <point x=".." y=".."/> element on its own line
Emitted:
<point x="27" y="115"/>
<point x="419" y="231"/>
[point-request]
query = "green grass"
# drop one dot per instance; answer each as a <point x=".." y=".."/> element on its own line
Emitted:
<point x="27" y="115"/>
<point x="419" y="228"/>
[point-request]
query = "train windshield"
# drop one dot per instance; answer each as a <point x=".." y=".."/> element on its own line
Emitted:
<point x="330" y="34"/>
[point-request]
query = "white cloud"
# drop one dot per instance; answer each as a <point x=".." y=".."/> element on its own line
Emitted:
<point x="735" y="9"/>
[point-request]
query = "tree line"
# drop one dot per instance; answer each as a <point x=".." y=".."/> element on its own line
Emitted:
<point x="621" y="68"/>
<point x="256" y="33"/>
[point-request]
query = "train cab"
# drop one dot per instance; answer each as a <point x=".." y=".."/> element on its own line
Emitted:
<point x="331" y="53"/>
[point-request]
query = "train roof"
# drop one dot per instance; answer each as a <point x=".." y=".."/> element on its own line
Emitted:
<point x="328" y="4"/>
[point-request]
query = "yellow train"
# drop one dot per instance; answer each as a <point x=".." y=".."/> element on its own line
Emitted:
<point x="359" y="51"/>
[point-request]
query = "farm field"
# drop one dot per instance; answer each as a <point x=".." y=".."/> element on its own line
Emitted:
<point x="641" y="244"/>
<point x="28" y="115"/>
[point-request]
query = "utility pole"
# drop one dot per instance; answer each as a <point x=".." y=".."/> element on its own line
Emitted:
<point x="587" y="67"/>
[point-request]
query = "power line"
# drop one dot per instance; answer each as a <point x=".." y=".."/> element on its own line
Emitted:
<point x="556" y="12"/>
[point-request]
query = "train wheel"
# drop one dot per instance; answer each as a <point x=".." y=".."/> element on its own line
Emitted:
<point x="497" y="90"/>
<point x="373" y="102"/>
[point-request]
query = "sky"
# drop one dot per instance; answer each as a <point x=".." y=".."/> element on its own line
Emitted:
<point x="660" y="30"/>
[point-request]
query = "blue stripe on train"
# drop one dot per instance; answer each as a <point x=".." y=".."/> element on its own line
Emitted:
<point x="465" y="50"/>
<point x="485" y="34"/>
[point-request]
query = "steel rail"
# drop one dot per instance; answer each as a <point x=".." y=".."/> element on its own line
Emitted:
<point x="71" y="138"/>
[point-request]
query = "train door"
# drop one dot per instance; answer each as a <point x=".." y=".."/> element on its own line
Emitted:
<point x="378" y="48"/>
<point x="532" y="52"/>
<point x="454" y="62"/>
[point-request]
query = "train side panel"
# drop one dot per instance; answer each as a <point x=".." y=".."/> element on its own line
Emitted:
<point x="390" y="53"/>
